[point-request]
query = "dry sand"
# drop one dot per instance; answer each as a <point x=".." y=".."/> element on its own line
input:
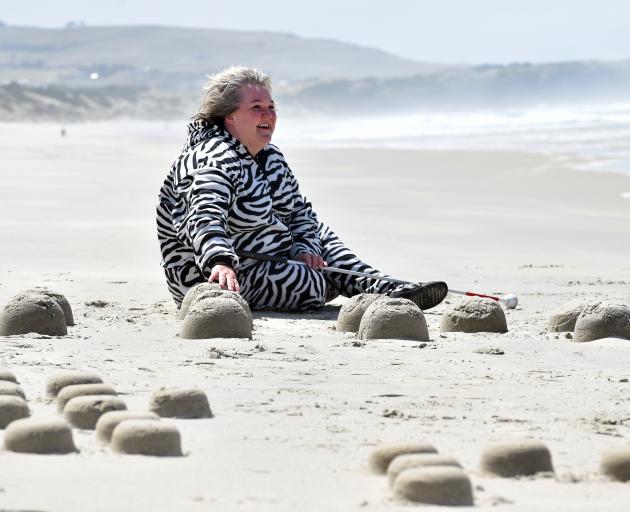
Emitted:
<point x="299" y="408"/>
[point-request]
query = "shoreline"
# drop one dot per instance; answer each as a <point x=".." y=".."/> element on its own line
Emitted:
<point x="597" y="160"/>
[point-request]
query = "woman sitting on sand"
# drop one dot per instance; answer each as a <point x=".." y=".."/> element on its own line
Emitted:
<point x="230" y="190"/>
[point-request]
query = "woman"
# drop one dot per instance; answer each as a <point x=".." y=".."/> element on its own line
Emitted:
<point x="230" y="190"/>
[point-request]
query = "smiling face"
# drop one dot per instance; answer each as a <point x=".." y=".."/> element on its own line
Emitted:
<point x="253" y="123"/>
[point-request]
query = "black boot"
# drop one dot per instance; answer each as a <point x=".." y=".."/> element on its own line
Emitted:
<point x="424" y="295"/>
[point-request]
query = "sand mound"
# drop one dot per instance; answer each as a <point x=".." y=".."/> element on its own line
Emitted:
<point x="180" y="403"/>
<point x="11" y="389"/>
<point x="147" y="437"/>
<point x="216" y="318"/>
<point x="616" y="464"/>
<point x="32" y="313"/>
<point x="516" y="458"/>
<point x="9" y="376"/>
<point x="417" y="460"/>
<point x="110" y="420"/>
<point x="39" y="435"/>
<point x="390" y="318"/>
<point x="603" y="320"/>
<point x="351" y="312"/>
<point x="59" y="381"/>
<point x="59" y="298"/>
<point x="192" y="293"/>
<point x="12" y="408"/>
<point x="84" y="411"/>
<point x="437" y="485"/>
<point x="475" y="315"/>
<point x="563" y="319"/>
<point x="383" y="455"/>
<point x="69" y="392"/>
<point x="213" y="293"/>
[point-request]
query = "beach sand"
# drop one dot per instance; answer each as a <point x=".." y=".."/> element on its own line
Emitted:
<point x="299" y="408"/>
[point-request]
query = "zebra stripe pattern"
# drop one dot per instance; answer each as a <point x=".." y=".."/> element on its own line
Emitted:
<point x="217" y="199"/>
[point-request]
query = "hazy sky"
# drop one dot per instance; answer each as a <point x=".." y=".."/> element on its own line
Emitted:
<point x="433" y="30"/>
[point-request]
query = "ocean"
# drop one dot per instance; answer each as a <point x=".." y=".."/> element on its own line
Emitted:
<point x="595" y="138"/>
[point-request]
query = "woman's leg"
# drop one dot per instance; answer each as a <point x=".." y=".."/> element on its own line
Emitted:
<point x="264" y="285"/>
<point x="289" y="287"/>
<point x="336" y="254"/>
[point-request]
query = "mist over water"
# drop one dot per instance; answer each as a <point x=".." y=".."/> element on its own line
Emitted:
<point x="599" y="136"/>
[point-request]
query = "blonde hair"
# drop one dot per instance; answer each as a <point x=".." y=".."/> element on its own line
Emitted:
<point x="222" y="92"/>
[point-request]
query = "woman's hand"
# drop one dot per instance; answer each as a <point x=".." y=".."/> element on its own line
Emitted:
<point x="225" y="276"/>
<point x="311" y="260"/>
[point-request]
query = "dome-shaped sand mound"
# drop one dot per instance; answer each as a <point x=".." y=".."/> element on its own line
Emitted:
<point x="390" y="318"/>
<point x="59" y="298"/>
<point x="474" y="315"/>
<point x="516" y="458"/>
<point x="69" y="392"/>
<point x="352" y="312"/>
<point x="192" y="293"/>
<point x="436" y="485"/>
<point x="12" y="408"/>
<point x="9" y="376"/>
<point x="110" y="420"/>
<point x="84" y="411"/>
<point x="39" y="435"/>
<point x="188" y="403"/>
<point x="217" y="317"/>
<point x="147" y="437"/>
<point x="32" y="313"/>
<point x="603" y="320"/>
<point x="418" y="460"/>
<point x="226" y="294"/>
<point x="60" y="380"/>
<point x="563" y="319"/>
<point x="615" y="464"/>
<point x="381" y="458"/>
<point x="11" y="389"/>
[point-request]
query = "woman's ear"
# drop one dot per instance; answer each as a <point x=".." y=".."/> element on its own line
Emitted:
<point x="229" y="121"/>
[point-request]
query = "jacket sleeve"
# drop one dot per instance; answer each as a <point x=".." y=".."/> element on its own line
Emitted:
<point x="302" y="221"/>
<point x="297" y="212"/>
<point x="208" y="193"/>
<point x="304" y="227"/>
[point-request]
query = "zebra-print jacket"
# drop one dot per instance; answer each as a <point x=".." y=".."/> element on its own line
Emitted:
<point x="217" y="199"/>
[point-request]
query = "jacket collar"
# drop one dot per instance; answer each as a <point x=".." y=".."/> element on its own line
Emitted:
<point x="199" y="131"/>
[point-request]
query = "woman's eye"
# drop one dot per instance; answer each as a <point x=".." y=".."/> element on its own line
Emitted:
<point x="260" y="108"/>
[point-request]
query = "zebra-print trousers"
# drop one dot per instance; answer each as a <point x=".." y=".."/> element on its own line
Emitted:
<point x="290" y="287"/>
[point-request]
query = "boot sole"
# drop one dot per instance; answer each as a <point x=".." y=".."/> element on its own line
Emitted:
<point x="425" y="295"/>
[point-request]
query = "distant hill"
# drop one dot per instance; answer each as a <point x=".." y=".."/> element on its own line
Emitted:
<point x="20" y="102"/>
<point x="157" y="72"/>
<point x="487" y="86"/>
<point x="178" y="59"/>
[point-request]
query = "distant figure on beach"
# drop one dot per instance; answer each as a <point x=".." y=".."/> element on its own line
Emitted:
<point x="230" y="190"/>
